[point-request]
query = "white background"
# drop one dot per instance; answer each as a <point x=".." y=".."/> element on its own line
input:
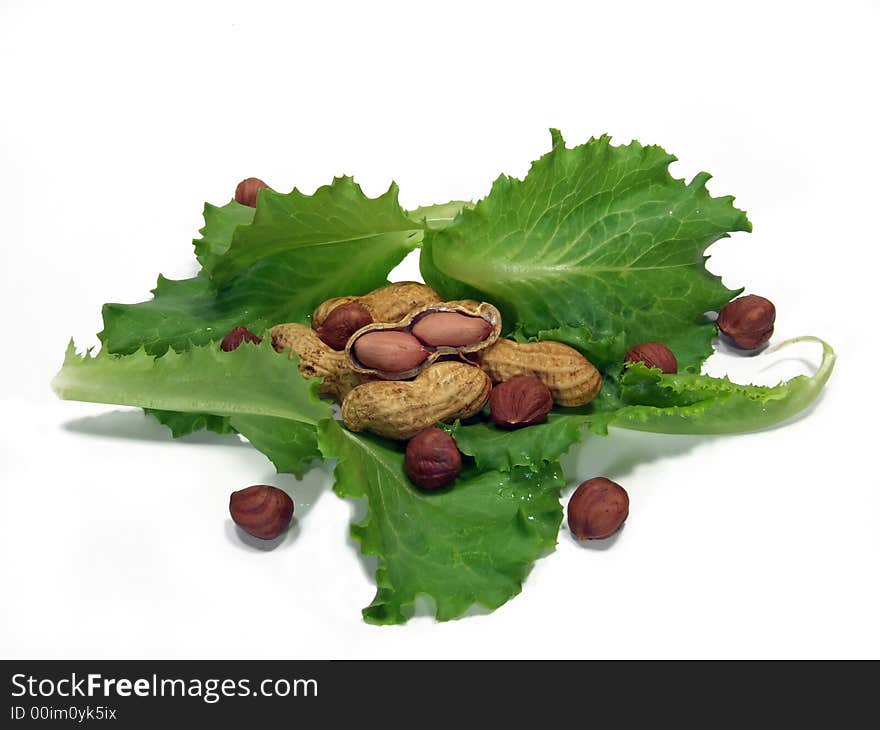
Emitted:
<point x="118" y="121"/>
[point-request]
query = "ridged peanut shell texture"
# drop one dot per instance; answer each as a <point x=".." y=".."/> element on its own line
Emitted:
<point x="388" y="304"/>
<point x="571" y="378"/>
<point x="399" y="409"/>
<point x="317" y="360"/>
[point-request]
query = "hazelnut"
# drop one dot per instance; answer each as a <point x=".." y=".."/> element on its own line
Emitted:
<point x="748" y="321"/>
<point x="236" y="336"/>
<point x="654" y="355"/>
<point x="597" y="509"/>
<point x="246" y="191"/>
<point x="520" y="401"/>
<point x="432" y="459"/>
<point x="342" y="323"/>
<point x="261" y="510"/>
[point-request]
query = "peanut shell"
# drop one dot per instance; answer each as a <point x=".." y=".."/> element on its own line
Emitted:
<point x="468" y="307"/>
<point x="571" y="378"/>
<point x="317" y="360"/>
<point x="387" y="304"/>
<point x="399" y="409"/>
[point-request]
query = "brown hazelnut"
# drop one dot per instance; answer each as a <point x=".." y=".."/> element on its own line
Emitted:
<point x="342" y="323"/>
<point x="748" y="321"/>
<point x="432" y="459"/>
<point x="654" y="355"/>
<point x="246" y="191"/>
<point x="261" y="510"/>
<point x="597" y="509"/>
<point x="236" y="336"/>
<point x="520" y="401"/>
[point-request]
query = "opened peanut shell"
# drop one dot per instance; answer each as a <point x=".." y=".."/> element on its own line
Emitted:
<point x="434" y="332"/>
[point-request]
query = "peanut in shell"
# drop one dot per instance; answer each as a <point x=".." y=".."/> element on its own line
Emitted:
<point x="387" y="304"/>
<point x="317" y="360"/>
<point x="571" y="378"/>
<point x="405" y="369"/>
<point x="400" y="409"/>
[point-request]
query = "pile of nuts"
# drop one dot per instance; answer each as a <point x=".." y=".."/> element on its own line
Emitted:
<point x="399" y="360"/>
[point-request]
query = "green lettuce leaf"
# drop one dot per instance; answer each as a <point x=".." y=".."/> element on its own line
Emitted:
<point x="291" y="446"/>
<point x="440" y="215"/>
<point x="699" y="404"/>
<point x="183" y="424"/>
<point x="299" y="251"/>
<point x="290" y="229"/>
<point x="598" y="247"/>
<point x="595" y="236"/>
<point x="262" y="393"/>
<point x="470" y="544"/>
<point x="220" y="225"/>
<point x="606" y="354"/>
<point x="532" y="447"/>
<point x="182" y="312"/>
